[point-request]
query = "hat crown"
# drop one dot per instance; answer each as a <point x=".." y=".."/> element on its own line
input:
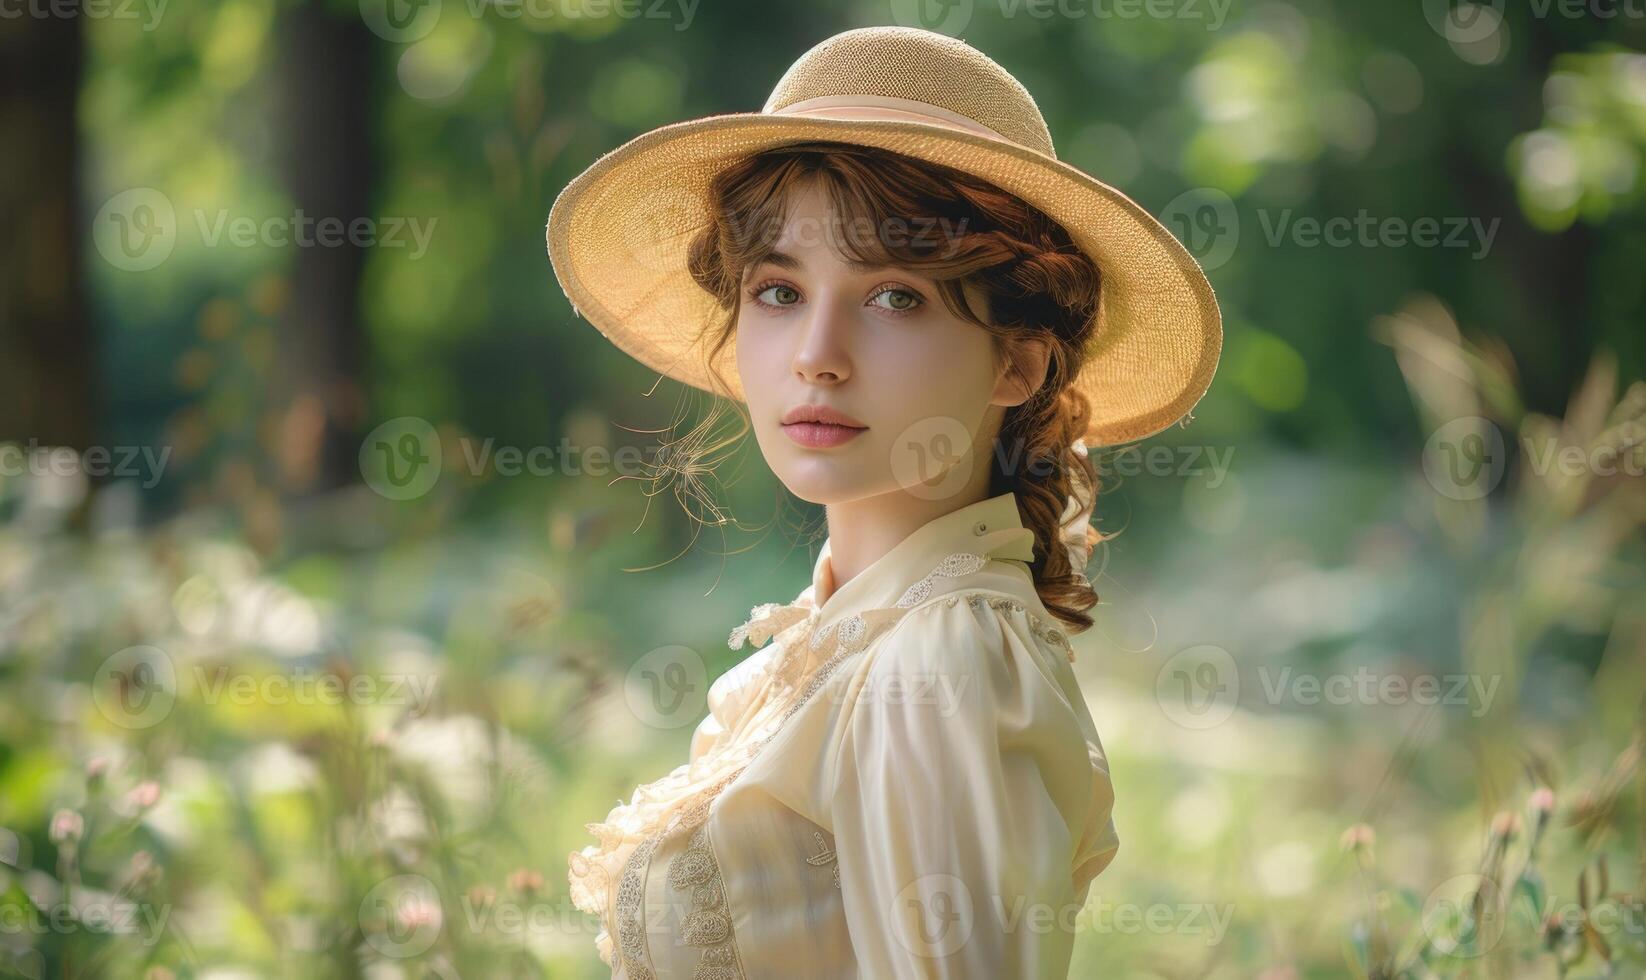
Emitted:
<point x="920" y="66"/>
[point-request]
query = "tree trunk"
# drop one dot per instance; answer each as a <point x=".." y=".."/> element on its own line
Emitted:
<point x="326" y="126"/>
<point x="48" y="362"/>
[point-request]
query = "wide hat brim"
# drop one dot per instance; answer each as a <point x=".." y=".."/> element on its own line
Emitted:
<point x="618" y="237"/>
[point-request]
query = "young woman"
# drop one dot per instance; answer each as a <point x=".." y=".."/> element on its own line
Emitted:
<point x="929" y="318"/>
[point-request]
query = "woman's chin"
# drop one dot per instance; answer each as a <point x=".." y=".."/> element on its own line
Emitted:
<point x="830" y="481"/>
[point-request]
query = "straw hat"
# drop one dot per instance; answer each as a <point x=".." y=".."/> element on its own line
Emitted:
<point x="619" y="232"/>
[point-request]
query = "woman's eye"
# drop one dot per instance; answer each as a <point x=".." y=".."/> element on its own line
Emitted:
<point x="896" y="300"/>
<point x="779" y="296"/>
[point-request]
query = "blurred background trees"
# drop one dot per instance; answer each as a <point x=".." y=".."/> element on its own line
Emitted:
<point x="471" y="116"/>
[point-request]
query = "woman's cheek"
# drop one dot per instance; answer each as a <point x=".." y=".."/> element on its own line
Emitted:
<point x="755" y="361"/>
<point x="948" y="379"/>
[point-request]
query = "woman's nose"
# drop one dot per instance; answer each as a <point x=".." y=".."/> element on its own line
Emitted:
<point x="824" y="353"/>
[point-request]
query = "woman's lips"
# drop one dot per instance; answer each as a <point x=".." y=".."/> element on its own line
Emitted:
<point x="821" y="435"/>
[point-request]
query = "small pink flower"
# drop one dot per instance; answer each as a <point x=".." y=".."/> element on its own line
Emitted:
<point x="143" y="870"/>
<point x="66" y="827"/>
<point x="415" y="913"/>
<point x="1542" y="800"/>
<point x="144" y="795"/>
<point x="1505" y="824"/>
<point x="97" y="767"/>
<point x="1358" y="836"/>
<point x="526" y="881"/>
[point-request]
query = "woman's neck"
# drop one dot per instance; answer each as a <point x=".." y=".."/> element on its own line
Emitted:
<point x="862" y="531"/>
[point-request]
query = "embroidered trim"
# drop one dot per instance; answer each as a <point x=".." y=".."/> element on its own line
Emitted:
<point x="954" y="566"/>
<point x="825" y="855"/>
<point x="1037" y="624"/>
<point x="709" y="923"/>
<point x="631" y="893"/>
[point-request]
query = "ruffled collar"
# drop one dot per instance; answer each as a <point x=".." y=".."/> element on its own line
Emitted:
<point x="989" y="528"/>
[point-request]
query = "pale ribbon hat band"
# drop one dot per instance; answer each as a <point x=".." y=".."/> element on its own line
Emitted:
<point x="619" y="233"/>
<point x="883" y="108"/>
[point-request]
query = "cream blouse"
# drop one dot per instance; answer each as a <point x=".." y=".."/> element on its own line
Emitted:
<point x="904" y="782"/>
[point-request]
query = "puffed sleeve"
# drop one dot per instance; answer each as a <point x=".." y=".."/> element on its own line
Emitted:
<point x="966" y="800"/>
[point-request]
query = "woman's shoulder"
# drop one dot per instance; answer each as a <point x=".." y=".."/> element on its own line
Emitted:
<point x="979" y="615"/>
<point x="986" y="644"/>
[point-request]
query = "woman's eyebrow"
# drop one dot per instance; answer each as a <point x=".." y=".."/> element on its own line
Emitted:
<point x="783" y="260"/>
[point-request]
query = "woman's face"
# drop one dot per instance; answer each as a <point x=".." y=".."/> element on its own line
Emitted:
<point x="919" y="387"/>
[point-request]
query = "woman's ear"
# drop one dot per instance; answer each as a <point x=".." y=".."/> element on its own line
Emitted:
<point x="1023" y="373"/>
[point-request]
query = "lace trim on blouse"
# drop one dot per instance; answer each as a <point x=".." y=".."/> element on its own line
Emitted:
<point x="825" y="856"/>
<point x="696" y="870"/>
<point x="708" y="925"/>
<point x="631" y="894"/>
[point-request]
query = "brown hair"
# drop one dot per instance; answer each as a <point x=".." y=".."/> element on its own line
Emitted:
<point x="959" y="231"/>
